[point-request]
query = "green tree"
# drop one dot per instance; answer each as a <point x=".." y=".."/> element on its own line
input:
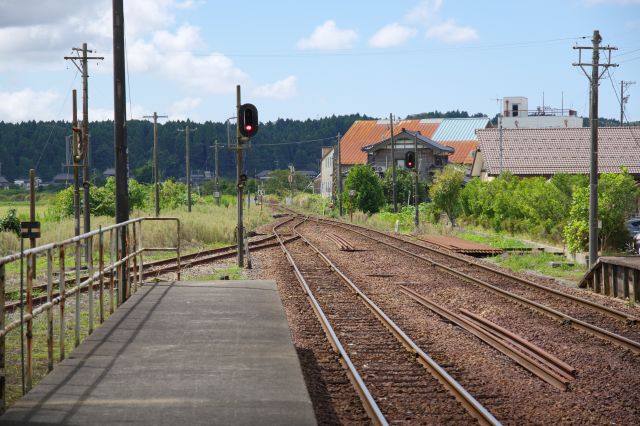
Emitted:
<point x="278" y="183"/>
<point x="445" y="191"/>
<point x="368" y="197"/>
<point x="617" y="198"/>
<point x="404" y="185"/>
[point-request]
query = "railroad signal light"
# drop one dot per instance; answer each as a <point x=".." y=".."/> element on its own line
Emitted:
<point x="410" y="159"/>
<point x="248" y="120"/>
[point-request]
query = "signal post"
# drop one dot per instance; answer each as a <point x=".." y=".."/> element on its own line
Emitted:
<point x="246" y="128"/>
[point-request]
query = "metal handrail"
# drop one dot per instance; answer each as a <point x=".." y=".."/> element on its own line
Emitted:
<point x="118" y="270"/>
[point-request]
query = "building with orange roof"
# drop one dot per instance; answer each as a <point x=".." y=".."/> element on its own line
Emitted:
<point x="368" y="132"/>
<point x="429" y="155"/>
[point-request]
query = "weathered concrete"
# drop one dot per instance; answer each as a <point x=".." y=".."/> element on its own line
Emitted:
<point x="184" y="353"/>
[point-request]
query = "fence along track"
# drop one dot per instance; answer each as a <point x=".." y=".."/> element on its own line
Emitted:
<point x="553" y="313"/>
<point x="473" y="407"/>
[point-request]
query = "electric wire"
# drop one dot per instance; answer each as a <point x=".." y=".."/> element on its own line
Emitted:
<point x="54" y="122"/>
<point x="624" y="114"/>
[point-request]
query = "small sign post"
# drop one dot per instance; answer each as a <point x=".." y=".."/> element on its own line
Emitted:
<point x="30" y="230"/>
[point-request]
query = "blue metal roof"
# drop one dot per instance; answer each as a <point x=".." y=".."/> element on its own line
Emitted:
<point x="459" y="129"/>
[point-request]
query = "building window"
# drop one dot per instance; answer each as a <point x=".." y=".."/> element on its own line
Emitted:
<point x="438" y="161"/>
<point x="515" y="110"/>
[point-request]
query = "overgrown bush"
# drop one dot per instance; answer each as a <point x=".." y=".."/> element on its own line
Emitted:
<point x="617" y="196"/>
<point x="10" y="223"/>
<point x="102" y="199"/>
<point x="368" y="197"/>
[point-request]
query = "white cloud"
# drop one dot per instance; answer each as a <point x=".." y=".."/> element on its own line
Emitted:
<point x="214" y="73"/>
<point x="450" y="32"/>
<point x="281" y="89"/>
<point x="26" y="104"/>
<point x="183" y="108"/>
<point x="424" y="12"/>
<point x="328" y="37"/>
<point x="392" y="35"/>
<point x="135" y="111"/>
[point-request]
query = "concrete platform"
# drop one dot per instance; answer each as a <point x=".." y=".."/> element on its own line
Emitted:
<point x="183" y="353"/>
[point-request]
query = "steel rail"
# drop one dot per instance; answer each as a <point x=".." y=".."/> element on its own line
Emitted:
<point x="553" y="313"/>
<point x="603" y="309"/>
<point x="369" y="404"/>
<point x="523" y="358"/>
<point x="472" y="406"/>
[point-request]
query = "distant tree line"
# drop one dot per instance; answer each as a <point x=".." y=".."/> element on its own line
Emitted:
<point x="29" y="144"/>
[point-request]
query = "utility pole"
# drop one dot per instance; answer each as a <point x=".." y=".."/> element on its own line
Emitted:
<point x="415" y="188"/>
<point x="593" y="119"/>
<point x="76" y="163"/>
<point x="156" y="171"/>
<point x="120" y="140"/>
<point x="81" y="61"/>
<point x="187" y="130"/>
<point x="216" y="189"/>
<point x="623" y="99"/>
<point x="393" y="168"/>
<point x="339" y="176"/>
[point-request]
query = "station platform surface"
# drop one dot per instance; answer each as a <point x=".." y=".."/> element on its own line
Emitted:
<point x="179" y="353"/>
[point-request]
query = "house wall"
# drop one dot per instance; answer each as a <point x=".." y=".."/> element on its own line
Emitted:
<point x="326" y="175"/>
<point x="541" y="121"/>
<point x="425" y="160"/>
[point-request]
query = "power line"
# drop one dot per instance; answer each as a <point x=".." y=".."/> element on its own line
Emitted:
<point x="293" y="143"/>
<point x="54" y="122"/>
<point x="383" y="52"/>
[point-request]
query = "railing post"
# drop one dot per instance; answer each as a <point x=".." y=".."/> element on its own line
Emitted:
<point x="30" y="263"/>
<point x="63" y="298"/>
<point x="89" y="245"/>
<point x="3" y="373"/>
<point x="141" y="248"/>
<point x="178" y="249"/>
<point x="134" y="248"/>
<point x="76" y="340"/>
<point x="625" y="281"/>
<point x="112" y="276"/>
<point x="49" y="310"/>
<point x="101" y="271"/>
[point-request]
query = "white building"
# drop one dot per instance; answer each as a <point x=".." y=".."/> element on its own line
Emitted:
<point x="517" y="115"/>
<point x="326" y="172"/>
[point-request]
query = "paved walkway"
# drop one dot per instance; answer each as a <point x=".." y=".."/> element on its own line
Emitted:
<point x="184" y="353"/>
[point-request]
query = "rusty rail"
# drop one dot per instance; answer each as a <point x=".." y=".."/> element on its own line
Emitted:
<point x="118" y="266"/>
<point x="542" y="364"/>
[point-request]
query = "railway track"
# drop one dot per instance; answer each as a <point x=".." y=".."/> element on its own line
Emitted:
<point x="155" y="268"/>
<point x="392" y="386"/>
<point x="581" y="314"/>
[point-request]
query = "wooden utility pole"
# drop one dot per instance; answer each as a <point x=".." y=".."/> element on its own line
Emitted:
<point x="32" y="213"/>
<point x="156" y="171"/>
<point x="393" y="168"/>
<point x="76" y="163"/>
<point x="339" y="176"/>
<point x="216" y="170"/>
<point x="623" y="99"/>
<point x="593" y="119"/>
<point x="81" y="62"/>
<point x="120" y="140"/>
<point x="187" y="130"/>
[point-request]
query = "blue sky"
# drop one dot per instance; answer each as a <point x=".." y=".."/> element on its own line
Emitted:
<point x="313" y="59"/>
